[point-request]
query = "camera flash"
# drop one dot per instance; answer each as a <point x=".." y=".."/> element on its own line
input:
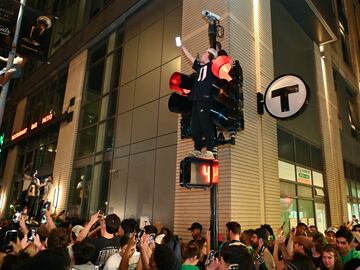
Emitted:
<point x="178" y="41"/>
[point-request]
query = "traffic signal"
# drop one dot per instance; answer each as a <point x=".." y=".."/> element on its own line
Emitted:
<point x="198" y="173"/>
<point x="228" y="109"/>
<point x="179" y="101"/>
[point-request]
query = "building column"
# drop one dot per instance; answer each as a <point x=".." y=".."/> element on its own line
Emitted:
<point x="66" y="144"/>
<point x="331" y="142"/>
<point x="11" y="159"/>
<point x="249" y="191"/>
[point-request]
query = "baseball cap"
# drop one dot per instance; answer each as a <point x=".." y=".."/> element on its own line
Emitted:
<point x="213" y="52"/>
<point x="77" y="229"/>
<point x="195" y="225"/>
<point x="331" y="229"/>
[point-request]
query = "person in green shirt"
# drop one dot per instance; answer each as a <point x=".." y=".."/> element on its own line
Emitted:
<point x="343" y="240"/>
<point x="191" y="255"/>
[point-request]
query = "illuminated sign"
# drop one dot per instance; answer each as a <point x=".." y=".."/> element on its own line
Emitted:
<point x="47" y="118"/>
<point x="33" y="126"/>
<point x="18" y="134"/>
<point x="2" y="141"/>
<point x="195" y="172"/>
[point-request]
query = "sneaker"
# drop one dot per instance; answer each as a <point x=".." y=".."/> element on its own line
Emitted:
<point x="194" y="153"/>
<point x="207" y="155"/>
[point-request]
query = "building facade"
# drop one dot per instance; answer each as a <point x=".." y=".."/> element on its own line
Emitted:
<point x="121" y="147"/>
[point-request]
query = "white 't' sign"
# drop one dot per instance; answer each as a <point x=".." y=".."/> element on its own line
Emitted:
<point x="286" y="97"/>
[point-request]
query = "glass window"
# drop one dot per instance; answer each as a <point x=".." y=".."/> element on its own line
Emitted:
<point x="98" y="53"/>
<point x="285" y="145"/>
<point x="79" y="191"/>
<point x="316" y="158"/>
<point x="302" y="152"/>
<point x="287" y="189"/>
<point x="90" y="114"/>
<point x="105" y="140"/>
<point x="355" y="210"/>
<point x="288" y="212"/>
<point x="112" y="104"/>
<point x="320" y="209"/>
<point x="353" y="190"/>
<point x="94" y="82"/>
<point x="318" y="179"/>
<point x="304" y="191"/>
<point x="109" y="134"/>
<point x="115" y="72"/>
<point x="50" y="154"/>
<point x="86" y="141"/>
<point x="306" y="211"/>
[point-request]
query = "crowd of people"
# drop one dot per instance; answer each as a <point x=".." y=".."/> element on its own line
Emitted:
<point x="106" y="242"/>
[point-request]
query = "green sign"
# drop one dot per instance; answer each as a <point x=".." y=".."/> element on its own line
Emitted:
<point x="303" y="175"/>
<point x="2" y="141"/>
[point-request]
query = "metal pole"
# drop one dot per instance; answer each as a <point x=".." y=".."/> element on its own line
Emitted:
<point x="10" y="61"/>
<point x="212" y="30"/>
<point x="214" y="217"/>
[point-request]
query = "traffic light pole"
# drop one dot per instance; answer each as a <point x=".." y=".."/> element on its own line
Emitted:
<point x="212" y="32"/>
<point x="10" y="61"/>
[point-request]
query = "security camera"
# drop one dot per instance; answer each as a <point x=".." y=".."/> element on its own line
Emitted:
<point x="210" y="15"/>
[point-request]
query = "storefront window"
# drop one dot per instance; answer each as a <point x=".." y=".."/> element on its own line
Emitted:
<point x="79" y="191"/>
<point x="288" y="212"/>
<point x="306" y="212"/>
<point x="90" y="114"/>
<point x="86" y="141"/>
<point x="97" y="120"/>
<point x="320" y="211"/>
<point x="301" y="183"/>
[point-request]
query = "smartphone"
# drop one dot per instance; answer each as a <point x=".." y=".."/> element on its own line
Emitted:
<point x="45" y="208"/>
<point x="282" y="226"/>
<point x="139" y="234"/>
<point x="10" y="236"/>
<point x="31" y="234"/>
<point x="151" y="238"/>
<point x="16" y="217"/>
<point x="178" y="42"/>
<point x="210" y="257"/>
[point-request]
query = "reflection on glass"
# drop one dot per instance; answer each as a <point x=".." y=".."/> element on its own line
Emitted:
<point x="306" y="211"/>
<point x="79" y="191"/>
<point x="320" y="217"/>
<point x="94" y="82"/>
<point x="288" y="213"/>
<point x="86" y="141"/>
<point x="90" y="114"/>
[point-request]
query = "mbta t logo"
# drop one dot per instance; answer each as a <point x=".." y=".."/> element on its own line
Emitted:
<point x="286" y="97"/>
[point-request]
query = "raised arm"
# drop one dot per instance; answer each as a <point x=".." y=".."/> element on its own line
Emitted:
<point x="3" y="59"/>
<point x="84" y="232"/>
<point x="188" y="54"/>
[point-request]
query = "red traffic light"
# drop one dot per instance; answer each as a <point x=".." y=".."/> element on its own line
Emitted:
<point x="221" y="67"/>
<point x="181" y="83"/>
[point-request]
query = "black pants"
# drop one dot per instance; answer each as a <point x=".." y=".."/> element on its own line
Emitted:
<point x="201" y="125"/>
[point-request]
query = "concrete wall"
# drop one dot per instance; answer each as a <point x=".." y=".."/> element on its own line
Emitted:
<point x="143" y="178"/>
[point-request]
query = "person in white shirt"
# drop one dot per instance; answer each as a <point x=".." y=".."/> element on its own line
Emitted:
<point x="114" y="261"/>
